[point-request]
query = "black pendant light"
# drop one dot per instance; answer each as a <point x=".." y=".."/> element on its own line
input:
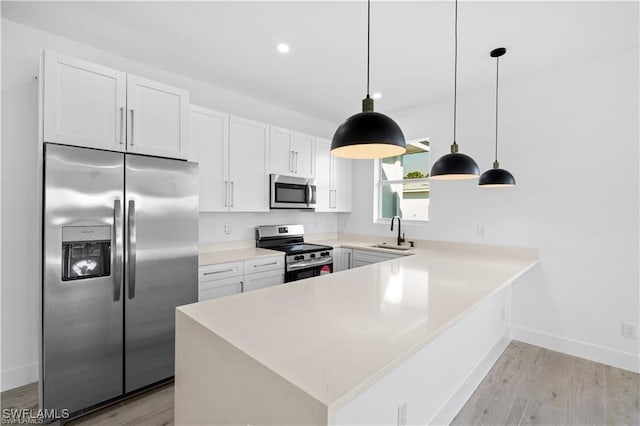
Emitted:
<point x="455" y="165"/>
<point x="368" y="134"/>
<point x="497" y="177"/>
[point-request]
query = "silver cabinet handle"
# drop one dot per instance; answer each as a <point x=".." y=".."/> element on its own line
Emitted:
<point x="265" y="264"/>
<point x="226" y="192"/>
<point x="121" y="126"/>
<point x="218" y="272"/>
<point x="132" y="128"/>
<point x="131" y="257"/>
<point x="232" y="194"/>
<point x="291" y="161"/>
<point x="117" y="240"/>
<point x="241" y="286"/>
<point x="296" y="162"/>
<point x="348" y="260"/>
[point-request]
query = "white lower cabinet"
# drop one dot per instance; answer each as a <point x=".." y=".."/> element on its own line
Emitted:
<point x="367" y="257"/>
<point x="224" y="279"/>
<point x="218" y="288"/>
<point x="342" y="259"/>
<point x="262" y="280"/>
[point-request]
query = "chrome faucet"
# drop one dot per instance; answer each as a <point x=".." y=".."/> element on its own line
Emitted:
<point x="400" y="238"/>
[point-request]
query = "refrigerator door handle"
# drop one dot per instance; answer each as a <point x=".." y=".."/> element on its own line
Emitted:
<point x="131" y="252"/>
<point x="117" y="239"/>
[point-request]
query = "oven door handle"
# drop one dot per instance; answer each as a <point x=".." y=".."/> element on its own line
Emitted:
<point x="301" y="265"/>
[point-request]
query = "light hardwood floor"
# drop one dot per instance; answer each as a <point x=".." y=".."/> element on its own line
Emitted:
<point x="528" y="385"/>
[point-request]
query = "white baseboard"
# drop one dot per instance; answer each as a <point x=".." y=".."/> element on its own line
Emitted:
<point x="19" y="376"/>
<point x="601" y="354"/>
<point x="460" y="397"/>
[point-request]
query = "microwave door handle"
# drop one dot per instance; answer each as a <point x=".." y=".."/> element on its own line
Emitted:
<point x="131" y="258"/>
<point x="308" y="194"/>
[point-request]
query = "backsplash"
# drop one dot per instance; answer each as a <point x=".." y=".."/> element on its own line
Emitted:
<point x="242" y="225"/>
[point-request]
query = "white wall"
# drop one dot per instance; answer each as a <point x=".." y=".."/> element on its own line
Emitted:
<point x="570" y="137"/>
<point x="20" y="214"/>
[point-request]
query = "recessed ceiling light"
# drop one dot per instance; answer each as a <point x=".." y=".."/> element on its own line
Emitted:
<point x="376" y="95"/>
<point x="283" y="48"/>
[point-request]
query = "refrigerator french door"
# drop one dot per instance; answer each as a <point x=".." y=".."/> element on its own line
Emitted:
<point x="120" y="253"/>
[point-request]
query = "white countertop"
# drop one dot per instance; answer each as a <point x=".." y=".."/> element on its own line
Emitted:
<point x="214" y="257"/>
<point x="335" y="335"/>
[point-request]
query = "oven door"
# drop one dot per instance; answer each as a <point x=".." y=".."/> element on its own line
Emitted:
<point x="300" y="272"/>
<point x="289" y="192"/>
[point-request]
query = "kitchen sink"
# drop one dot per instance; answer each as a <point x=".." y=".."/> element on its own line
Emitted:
<point x="392" y="247"/>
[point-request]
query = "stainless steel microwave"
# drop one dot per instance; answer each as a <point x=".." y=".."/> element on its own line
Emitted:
<point x="290" y="192"/>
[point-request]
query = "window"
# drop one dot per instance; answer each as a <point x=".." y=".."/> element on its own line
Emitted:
<point x="403" y="183"/>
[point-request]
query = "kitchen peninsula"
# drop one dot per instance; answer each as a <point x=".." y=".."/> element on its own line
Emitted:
<point x="397" y="342"/>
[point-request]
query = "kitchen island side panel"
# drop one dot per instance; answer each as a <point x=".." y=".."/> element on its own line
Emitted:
<point x="215" y="383"/>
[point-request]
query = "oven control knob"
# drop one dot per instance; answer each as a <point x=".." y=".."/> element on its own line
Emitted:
<point x="312" y="255"/>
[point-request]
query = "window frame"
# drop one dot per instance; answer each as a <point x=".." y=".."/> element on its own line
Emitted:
<point x="377" y="191"/>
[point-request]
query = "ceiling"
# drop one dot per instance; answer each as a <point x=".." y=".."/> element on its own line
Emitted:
<point x="233" y="44"/>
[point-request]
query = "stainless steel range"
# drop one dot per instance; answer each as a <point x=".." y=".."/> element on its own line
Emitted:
<point x="302" y="260"/>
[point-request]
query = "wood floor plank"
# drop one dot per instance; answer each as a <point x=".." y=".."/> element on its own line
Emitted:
<point x="622" y="397"/>
<point x="541" y="413"/>
<point x="20" y="398"/>
<point x="585" y="405"/>
<point x="553" y="385"/>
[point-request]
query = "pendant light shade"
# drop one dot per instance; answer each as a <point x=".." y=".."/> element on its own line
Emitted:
<point x="455" y="166"/>
<point x="368" y="134"/>
<point x="497" y="177"/>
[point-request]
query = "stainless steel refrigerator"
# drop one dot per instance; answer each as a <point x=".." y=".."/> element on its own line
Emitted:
<point x="120" y="252"/>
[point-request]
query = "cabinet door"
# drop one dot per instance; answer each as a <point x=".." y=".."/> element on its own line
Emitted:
<point x="158" y="119"/>
<point x="262" y="280"/>
<point x="281" y="151"/>
<point x="248" y="165"/>
<point x="209" y="135"/>
<point x="219" y="288"/>
<point x="84" y="103"/>
<point x="304" y="155"/>
<point x="341" y="173"/>
<point x="323" y="175"/>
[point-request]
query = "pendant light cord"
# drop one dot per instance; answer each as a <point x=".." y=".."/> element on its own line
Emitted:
<point x="368" y="41"/>
<point x="497" y="70"/>
<point x="455" y="74"/>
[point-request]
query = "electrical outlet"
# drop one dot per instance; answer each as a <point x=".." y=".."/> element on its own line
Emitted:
<point x="227" y="228"/>
<point x="482" y="231"/>
<point x="629" y="330"/>
<point x="402" y="415"/>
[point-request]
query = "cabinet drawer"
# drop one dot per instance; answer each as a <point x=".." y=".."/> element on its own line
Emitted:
<point x="372" y="256"/>
<point x="262" y="280"/>
<point x="357" y="263"/>
<point x="264" y="264"/>
<point x="222" y="270"/>
<point x="219" y="288"/>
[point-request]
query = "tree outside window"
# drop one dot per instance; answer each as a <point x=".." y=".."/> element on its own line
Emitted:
<point x="403" y="187"/>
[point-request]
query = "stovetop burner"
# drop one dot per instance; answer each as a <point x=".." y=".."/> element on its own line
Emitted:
<point x="300" y="248"/>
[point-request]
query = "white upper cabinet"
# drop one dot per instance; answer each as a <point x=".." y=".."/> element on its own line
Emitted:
<point x="248" y="165"/>
<point x="324" y="193"/>
<point x="281" y="153"/>
<point x="209" y="135"/>
<point x="292" y="153"/>
<point x="89" y="105"/>
<point x="333" y="179"/>
<point x="84" y="103"/>
<point x="158" y="118"/>
<point x="304" y="155"/>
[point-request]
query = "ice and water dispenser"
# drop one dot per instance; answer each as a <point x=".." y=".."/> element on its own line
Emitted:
<point x="86" y="252"/>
